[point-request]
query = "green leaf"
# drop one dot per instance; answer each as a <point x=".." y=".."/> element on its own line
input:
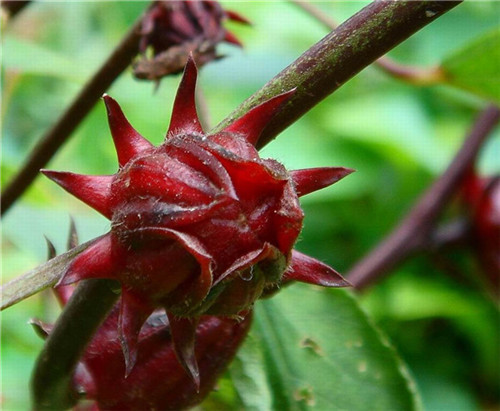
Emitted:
<point x="319" y="351"/>
<point x="411" y="299"/>
<point x="248" y="376"/>
<point x="476" y="67"/>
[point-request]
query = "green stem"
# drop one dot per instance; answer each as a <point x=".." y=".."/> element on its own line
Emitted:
<point x="339" y="56"/>
<point x="52" y="379"/>
<point x="415" y="75"/>
<point x="41" y="277"/>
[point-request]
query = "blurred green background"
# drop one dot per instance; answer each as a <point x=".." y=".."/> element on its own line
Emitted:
<point x="397" y="136"/>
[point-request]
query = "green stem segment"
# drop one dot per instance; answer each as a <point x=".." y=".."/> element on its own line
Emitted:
<point x="339" y="56"/>
<point x="415" y="75"/>
<point x="40" y="278"/>
<point x="52" y="380"/>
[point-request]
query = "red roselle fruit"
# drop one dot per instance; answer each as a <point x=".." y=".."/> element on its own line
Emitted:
<point x="482" y="196"/>
<point x="173" y="29"/>
<point x="158" y="381"/>
<point x="199" y="225"/>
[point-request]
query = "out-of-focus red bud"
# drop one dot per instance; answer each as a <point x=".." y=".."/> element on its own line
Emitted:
<point x="158" y="381"/>
<point x="482" y="196"/>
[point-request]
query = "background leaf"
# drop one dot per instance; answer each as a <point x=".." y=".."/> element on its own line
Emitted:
<point x="476" y="66"/>
<point x="319" y="350"/>
<point x="31" y="58"/>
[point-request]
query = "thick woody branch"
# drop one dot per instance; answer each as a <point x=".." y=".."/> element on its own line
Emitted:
<point x="50" y="143"/>
<point x="411" y="74"/>
<point x="339" y="56"/>
<point x="414" y="231"/>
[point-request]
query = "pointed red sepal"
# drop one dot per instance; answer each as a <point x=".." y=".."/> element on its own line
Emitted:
<point x="246" y="261"/>
<point x="183" y="338"/>
<point x="133" y="314"/>
<point x="92" y="190"/>
<point x="184" y="117"/>
<point x="194" y="290"/>
<point x="232" y="39"/>
<point x="232" y="15"/>
<point x="253" y="122"/>
<point x="309" y="270"/>
<point x="128" y="141"/>
<point x="312" y="179"/>
<point x="97" y="261"/>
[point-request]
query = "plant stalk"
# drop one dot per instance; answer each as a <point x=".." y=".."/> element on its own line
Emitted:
<point x="52" y="379"/>
<point x="414" y="231"/>
<point x="40" y="278"/>
<point x="411" y="74"/>
<point x="50" y="143"/>
<point x="339" y="56"/>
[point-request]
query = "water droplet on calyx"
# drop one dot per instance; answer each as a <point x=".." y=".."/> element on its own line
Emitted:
<point x="247" y="275"/>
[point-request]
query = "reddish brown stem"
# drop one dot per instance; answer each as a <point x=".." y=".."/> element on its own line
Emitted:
<point x="50" y="143"/>
<point x="410" y="74"/>
<point x="339" y="56"/>
<point x="413" y="232"/>
<point x="12" y="7"/>
<point x="421" y="76"/>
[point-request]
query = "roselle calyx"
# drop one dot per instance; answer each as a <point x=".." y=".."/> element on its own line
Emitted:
<point x="158" y="381"/>
<point x="199" y="225"/>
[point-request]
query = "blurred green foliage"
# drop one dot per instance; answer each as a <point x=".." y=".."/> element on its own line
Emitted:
<point x="398" y="137"/>
<point x="475" y="67"/>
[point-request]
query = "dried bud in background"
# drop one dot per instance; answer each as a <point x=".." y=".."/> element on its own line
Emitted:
<point x="12" y="7"/>
<point x="174" y="29"/>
